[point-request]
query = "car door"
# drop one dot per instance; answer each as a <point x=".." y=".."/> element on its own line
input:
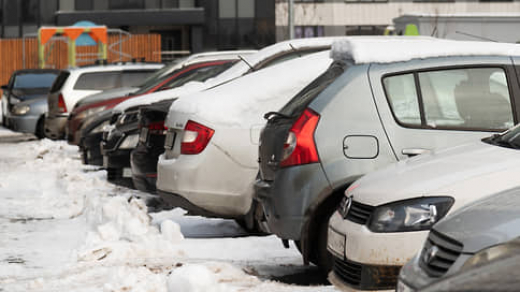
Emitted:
<point x="442" y="102"/>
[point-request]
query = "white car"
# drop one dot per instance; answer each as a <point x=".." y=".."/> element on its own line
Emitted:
<point x="210" y="162"/>
<point x="74" y="84"/>
<point x="250" y="62"/>
<point x="386" y="215"/>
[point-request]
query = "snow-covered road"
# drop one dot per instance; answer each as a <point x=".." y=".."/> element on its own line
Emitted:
<point x="65" y="228"/>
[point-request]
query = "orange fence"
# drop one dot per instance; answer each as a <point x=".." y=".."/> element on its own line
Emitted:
<point x="147" y="46"/>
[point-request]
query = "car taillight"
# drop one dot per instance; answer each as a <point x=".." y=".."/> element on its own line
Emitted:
<point x="157" y="128"/>
<point x="299" y="147"/>
<point x="196" y="138"/>
<point x="62" y="107"/>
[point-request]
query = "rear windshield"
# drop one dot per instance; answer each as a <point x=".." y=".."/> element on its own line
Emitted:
<point x="34" y="80"/>
<point x="98" y="81"/>
<point x="60" y="80"/>
<point x="298" y="104"/>
<point x="134" y="78"/>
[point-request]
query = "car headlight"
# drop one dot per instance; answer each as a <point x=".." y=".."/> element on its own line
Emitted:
<point x="410" y="215"/>
<point x="129" y="142"/>
<point x="14" y="100"/>
<point x="100" y="127"/>
<point x="493" y="253"/>
<point x="20" y="110"/>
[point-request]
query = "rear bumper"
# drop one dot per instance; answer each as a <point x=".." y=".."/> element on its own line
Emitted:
<point x="143" y="161"/>
<point x="116" y="159"/>
<point x="287" y="199"/>
<point x="55" y="127"/>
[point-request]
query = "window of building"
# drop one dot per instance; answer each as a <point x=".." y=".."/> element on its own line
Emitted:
<point x="29" y="11"/>
<point x="308" y="31"/>
<point x="84" y="5"/>
<point x="11" y="12"/>
<point x="365" y="30"/>
<point x="47" y="12"/>
<point x="472" y="98"/>
<point x="170" y="3"/>
<point x="246" y="8"/>
<point x="227" y="9"/>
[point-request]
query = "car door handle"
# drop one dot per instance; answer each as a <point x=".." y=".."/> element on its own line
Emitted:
<point x="414" y="151"/>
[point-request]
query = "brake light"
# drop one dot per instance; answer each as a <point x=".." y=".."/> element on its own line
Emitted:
<point x="157" y="128"/>
<point x="299" y="147"/>
<point x="196" y="138"/>
<point x="62" y="107"/>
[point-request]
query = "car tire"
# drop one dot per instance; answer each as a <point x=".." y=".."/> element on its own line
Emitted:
<point x="40" y="128"/>
<point x="249" y="221"/>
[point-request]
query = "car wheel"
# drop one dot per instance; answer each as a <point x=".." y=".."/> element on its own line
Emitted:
<point x="250" y="222"/>
<point x="40" y="128"/>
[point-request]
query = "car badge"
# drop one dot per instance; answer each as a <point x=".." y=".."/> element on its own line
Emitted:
<point x="345" y="206"/>
<point x="430" y="254"/>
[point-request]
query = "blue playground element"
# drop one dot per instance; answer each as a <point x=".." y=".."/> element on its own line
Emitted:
<point x="84" y="39"/>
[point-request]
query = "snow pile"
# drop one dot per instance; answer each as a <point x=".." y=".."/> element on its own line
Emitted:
<point x="50" y="183"/>
<point x="121" y="230"/>
<point x="243" y="102"/>
<point x="386" y="49"/>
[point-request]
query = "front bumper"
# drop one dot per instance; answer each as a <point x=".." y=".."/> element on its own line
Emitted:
<point x="351" y="276"/>
<point x="287" y="199"/>
<point x="380" y="254"/>
<point x="200" y="180"/>
<point x="55" y="127"/>
<point x="24" y="124"/>
<point x="91" y="149"/>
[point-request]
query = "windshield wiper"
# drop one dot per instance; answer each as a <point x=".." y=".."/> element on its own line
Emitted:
<point x="270" y="115"/>
<point x="497" y="139"/>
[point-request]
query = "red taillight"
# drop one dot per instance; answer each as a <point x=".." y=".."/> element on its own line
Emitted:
<point x="196" y="138"/>
<point x="300" y="148"/>
<point x="62" y="107"/>
<point x="157" y="128"/>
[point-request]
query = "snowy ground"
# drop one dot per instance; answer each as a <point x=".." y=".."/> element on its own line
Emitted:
<point x="64" y="228"/>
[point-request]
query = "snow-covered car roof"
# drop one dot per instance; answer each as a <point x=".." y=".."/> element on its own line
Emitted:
<point x="242" y="102"/>
<point x="387" y="49"/>
<point x="235" y="71"/>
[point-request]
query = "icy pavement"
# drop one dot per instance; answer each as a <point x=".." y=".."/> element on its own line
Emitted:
<point x="64" y="228"/>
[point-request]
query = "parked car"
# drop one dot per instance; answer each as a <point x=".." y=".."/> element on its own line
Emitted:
<point x="72" y="85"/>
<point x="24" y="100"/>
<point x="122" y="138"/>
<point x="376" y="105"/>
<point x="143" y="159"/>
<point x="165" y="78"/>
<point x="386" y="215"/>
<point x="478" y="232"/>
<point x="210" y="159"/>
<point x="91" y="134"/>
<point x="497" y="274"/>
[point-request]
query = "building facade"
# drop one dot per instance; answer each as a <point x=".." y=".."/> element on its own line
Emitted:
<point x="192" y="25"/>
<point x="362" y="17"/>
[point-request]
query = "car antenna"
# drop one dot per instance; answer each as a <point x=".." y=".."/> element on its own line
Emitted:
<point x="475" y="36"/>
<point x="247" y="63"/>
<point x="294" y="49"/>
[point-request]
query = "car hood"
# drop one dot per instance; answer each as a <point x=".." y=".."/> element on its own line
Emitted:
<point x="484" y="223"/>
<point x="106" y="95"/>
<point x="450" y="172"/>
<point x="30" y="93"/>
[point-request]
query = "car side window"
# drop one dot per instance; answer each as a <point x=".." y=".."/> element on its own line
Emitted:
<point x="98" y="81"/>
<point x="402" y="95"/>
<point x="473" y="98"/>
<point x="134" y="78"/>
<point x="468" y="98"/>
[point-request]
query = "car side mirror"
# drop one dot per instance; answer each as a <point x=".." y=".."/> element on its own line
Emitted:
<point x="4" y="87"/>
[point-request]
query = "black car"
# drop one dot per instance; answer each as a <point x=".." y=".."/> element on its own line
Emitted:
<point x="144" y="157"/>
<point x="92" y="134"/>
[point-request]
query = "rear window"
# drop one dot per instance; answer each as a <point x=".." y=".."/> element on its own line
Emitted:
<point x="302" y="100"/>
<point x="134" y="78"/>
<point x="199" y="74"/>
<point x="98" y="81"/>
<point x="34" y="80"/>
<point x="60" y="80"/>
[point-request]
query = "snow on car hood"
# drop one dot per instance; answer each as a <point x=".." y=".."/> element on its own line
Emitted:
<point x="385" y="49"/>
<point x="484" y="223"/>
<point x="242" y="102"/>
<point x="461" y="171"/>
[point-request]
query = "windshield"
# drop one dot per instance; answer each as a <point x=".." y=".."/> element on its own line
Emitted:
<point x="509" y="138"/>
<point x="34" y="80"/>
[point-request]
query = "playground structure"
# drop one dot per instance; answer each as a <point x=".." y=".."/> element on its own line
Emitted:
<point x="80" y="36"/>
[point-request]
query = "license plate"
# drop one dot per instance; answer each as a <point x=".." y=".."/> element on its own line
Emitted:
<point x="169" y="140"/>
<point x="127" y="172"/>
<point x="336" y="242"/>
<point x="143" y="136"/>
